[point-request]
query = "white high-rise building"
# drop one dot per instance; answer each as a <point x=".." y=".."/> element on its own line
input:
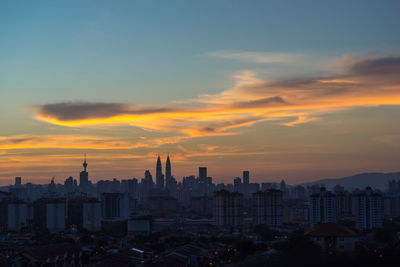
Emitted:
<point x="55" y="216"/>
<point x="16" y="216"/>
<point x="323" y="207"/>
<point x="91" y="215"/>
<point x="368" y="209"/>
<point x="50" y="214"/>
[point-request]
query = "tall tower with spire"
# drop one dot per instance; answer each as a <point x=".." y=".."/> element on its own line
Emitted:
<point x="167" y="170"/>
<point x="168" y="173"/>
<point x="159" y="174"/>
<point x="84" y="176"/>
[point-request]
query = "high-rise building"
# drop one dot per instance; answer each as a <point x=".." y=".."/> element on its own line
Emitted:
<point x="267" y="207"/>
<point x="69" y="184"/>
<point x="368" y="209"/>
<point x="159" y="174"/>
<point x="17" y="181"/>
<point x="246" y="177"/>
<point x="237" y="184"/>
<point x="323" y="207"/>
<point x="168" y="169"/>
<point x="13" y="214"/>
<point x="111" y="206"/>
<point x="49" y="214"/>
<point x="202" y="173"/>
<point x="170" y="182"/>
<point x="228" y="208"/>
<point x="84" y="213"/>
<point x="84" y="177"/>
<point x="115" y="206"/>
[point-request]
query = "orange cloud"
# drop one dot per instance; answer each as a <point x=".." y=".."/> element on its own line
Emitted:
<point x="78" y="142"/>
<point x="362" y="82"/>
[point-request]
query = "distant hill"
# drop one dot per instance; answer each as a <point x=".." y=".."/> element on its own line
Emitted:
<point x="375" y="180"/>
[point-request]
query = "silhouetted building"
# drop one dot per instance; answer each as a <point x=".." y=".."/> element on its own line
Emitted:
<point x="159" y="174"/>
<point x="13" y="215"/>
<point x="84" y="213"/>
<point x="246" y="177"/>
<point x="168" y="169"/>
<point x="369" y="209"/>
<point x="49" y="214"/>
<point x="17" y="181"/>
<point x="202" y="173"/>
<point x="267" y="207"/>
<point x="162" y="205"/>
<point x="228" y="208"/>
<point x="237" y="184"/>
<point x="323" y="207"/>
<point x="84" y="177"/>
<point x="116" y="206"/>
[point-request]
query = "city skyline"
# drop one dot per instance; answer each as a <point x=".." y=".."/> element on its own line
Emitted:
<point x="294" y="91"/>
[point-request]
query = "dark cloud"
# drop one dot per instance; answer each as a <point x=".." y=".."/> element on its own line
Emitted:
<point x="259" y="102"/>
<point x="379" y="66"/>
<point x="82" y="110"/>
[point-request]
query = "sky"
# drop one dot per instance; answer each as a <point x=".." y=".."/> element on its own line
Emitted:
<point x="294" y="90"/>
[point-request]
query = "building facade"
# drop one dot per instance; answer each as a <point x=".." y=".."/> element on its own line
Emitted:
<point x="228" y="208"/>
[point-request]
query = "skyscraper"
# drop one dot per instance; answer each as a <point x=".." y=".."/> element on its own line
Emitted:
<point x="17" y="181"/>
<point x="202" y="173"/>
<point x="246" y="177"/>
<point x="167" y="170"/>
<point x="170" y="182"/>
<point x="159" y="174"/>
<point x="84" y="177"/>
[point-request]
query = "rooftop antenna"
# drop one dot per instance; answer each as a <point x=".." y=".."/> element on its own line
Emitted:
<point x="84" y="162"/>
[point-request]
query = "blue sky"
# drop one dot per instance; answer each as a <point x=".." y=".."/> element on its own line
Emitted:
<point x="167" y="52"/>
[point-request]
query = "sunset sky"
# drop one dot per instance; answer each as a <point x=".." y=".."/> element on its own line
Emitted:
<point x="294" y="90"/>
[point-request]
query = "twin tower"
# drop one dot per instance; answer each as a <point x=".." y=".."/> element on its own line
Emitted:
<point x="160" y="175"/>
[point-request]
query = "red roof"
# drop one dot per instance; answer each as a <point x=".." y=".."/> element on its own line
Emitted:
<point x="330" y="229"/>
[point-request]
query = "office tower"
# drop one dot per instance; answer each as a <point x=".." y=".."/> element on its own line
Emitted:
<point x="168" y="169"/>
<point x="202" y="173"/>
<point x="17" y="181"/>
<point x="84" y="177"/>
<point x="49" y="214"/>
<point x="284" y="189"/>
<point x="323" y="207"/>
<point x="237" y="182"/>
<point x="159" y="174"/>
<point x="133" y="187"/>
<point x="228" y="208"/>
<point x="267" y="207"/>
<point x="148" y="177"/>
<point x="170" y="182"/>
<point x="368" y="209"/>
<point x="69" y="184"/>
<point x="246" y="177"/>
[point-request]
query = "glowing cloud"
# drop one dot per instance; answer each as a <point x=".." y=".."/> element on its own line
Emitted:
<point x="364" y="82"/>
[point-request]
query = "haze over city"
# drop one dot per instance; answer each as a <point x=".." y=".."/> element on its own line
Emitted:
<point x="297" y="91"/>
